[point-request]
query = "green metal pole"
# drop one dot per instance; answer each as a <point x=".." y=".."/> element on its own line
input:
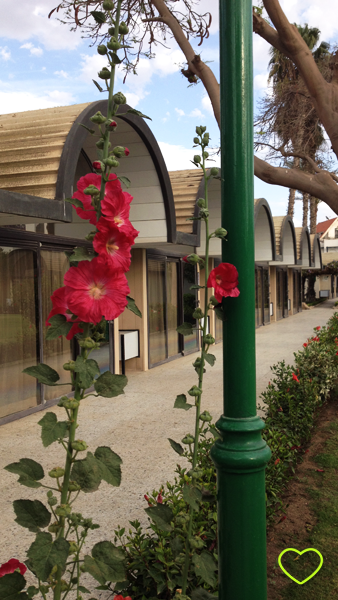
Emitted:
<point x="241" y="455"/>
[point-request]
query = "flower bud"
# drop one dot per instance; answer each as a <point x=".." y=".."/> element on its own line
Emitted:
<point x="214" y="172"/>
<point x="74" y="487"/>
<point x="111" y="30"/>
<point x="63" y="510"/>
<point x="213" y="301"/>
<point x="205" y="139"/>
<point x="108" y="5"/>
<point x="91" y="190"/>
<point x="196" y="543"/>
<point x="100" y="144"/>
<point x="73" y="547"/>
<point x="98" y="118"/>
<point x="56" y="473"/>
<point x="196" y="473"/>
<point x="111" y="162"/>
<point x="203" y="129"/>
<point x="118" y="151"/>
<point x="204" y="213"/>
<point x="87" y="343"/>
<point x="69" y="366"/>
<point x="193" y="259"/>
<point x="196" y="140"/>
<point x="197" y="158"/>
<point x="119" y="98"/>
<point x="123" y="30"/>
<point x="71" y="403"/>
<point x="199" y="130"/>
<point x="201" y="203"/>
<point x="52" y="501"/>
<point x="98" y="166"/>
<point x="102" y="49"/>
<point x="111" y="124"/>
<point x="195" y="391"/>
<point x="205" y="154"/>
<point x="198" y="313"/>
<point x="79" y="445"/>
<point x="104" y="73"/>
<point x="53" y="528"/>
<point x="208" y="339"/>
<point x="126" y="152"/>
<point x="205" y="417"/>
<point x="113" y="44"/>
<point x="49" y="494"/>
<point x="220" y="232"/>
<point x="188" y="439"/>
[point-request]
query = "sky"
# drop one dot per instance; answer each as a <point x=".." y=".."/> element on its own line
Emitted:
<point x="44" y="64"/>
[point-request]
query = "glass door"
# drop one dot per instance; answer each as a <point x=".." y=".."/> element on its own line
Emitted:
<point x="259" y="299"/>
<point x="266" y="295"/>
<point x="189" y="305"/>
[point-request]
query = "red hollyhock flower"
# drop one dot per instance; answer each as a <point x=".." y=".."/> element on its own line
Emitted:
<point x="126" y="151"/>
<point x="60" y="307"/>
<point x="112" y="124"/>
<point x="317" y="328"/>
<point x="305" y="345"/>
<point x="277" y="461"/>
<point x="97" y="165"/>
<point x="12" y="565"/>
<point x="114" y="245"/>
<point x="93" y="291"/>
<point x="88" y="211"/>
<point x="116" y="206"/>
<point x="185" y="258"/>
<point x="315" y="339"/>
<point x="224" y="280"/>
<point x="294" y="377"/>
<point x="160" y="498"/>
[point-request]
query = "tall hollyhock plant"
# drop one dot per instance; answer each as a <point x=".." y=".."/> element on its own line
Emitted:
<point x="95" y="290"/>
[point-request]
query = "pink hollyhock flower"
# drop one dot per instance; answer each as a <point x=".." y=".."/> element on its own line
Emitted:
<point x="116" y="206"/>
<point x="294" y="377"/>
<point x="126" y="151"/>
<point x="224" y="280"/>
<point x="60" y="307"/>
<point x="114" y="245"/>
<point x="12" y="565"/>
<point x="93" y="291"/>
<point x="97" y="165"/>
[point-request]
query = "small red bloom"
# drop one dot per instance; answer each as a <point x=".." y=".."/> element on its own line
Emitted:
<point x="160" y="498"/>
<point x="320" y="470"/>
<point x="317" y="328"/>
<point x="113" y="245"/>
<point x="315" y="339"/>
<point x="277" y="461"/>
<point x="60" y="307"/>
<point x="112" y="124"/>
<point x="118" y="597"/>
<point x="294" y="377"/>
<point x="97" y="165"/>
<point x="282" y="519"/>
<point x="93" y="291"/>
<point x="185" y="258"/>
<point x="288" y="390"/>
<point x="126" y="151"/>
<point x="305" y="344"/>
<point x="280" y="408"/>
<point x="336" y="353"/>
<point x="12" y="565"/>
<point x="224" y="280"/>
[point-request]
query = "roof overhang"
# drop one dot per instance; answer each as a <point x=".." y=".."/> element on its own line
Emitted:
<point x="22" y="208"/>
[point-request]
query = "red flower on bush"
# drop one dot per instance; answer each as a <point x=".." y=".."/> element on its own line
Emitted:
<point x="160" y="498"/>
<point x="88" y="211"/>
<point x="305" y="344"/>
<point x="317" y="328"/>
<point x="126" y="151"/>
<point x="60" y="307"/>
<point x="97" y="165"/>
<point x="224" y="280"/>
<point x="315" y="339"/>
<point x="116" y="205"/>
<point x="114" y="245"/>
<point x="294" y="377"/>
<point x="12" y="565"/>
<point x="93" y="291"/>
<point x="277" y="461"/>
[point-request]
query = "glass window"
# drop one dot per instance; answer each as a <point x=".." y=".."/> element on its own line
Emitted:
<point x="266" y="295"/>
<point x="156" y="311"/>
<point x="172" y="307"/>
<point x="19" y="329"/>
<point x="189" y="305"/>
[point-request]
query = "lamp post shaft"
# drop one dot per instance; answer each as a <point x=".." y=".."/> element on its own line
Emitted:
<point x="241" y="455"/>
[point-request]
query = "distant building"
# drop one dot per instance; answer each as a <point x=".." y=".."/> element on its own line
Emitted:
<point x="328" y="231"/>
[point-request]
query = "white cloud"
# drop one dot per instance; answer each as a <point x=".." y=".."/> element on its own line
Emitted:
<point x="196" y="113"/>
<point x="32" y="49"/>
<point x="17" y="101"/>
<point x="178" y="157"/>
<point x="61" y="74"/>
<point x="180" y="112"/>
<point x="260" y="81"/>
<point x="206" y="103"/>
<point x="5" y="53"/>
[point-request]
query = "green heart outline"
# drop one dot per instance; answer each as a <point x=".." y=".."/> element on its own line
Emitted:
<point x="300" y="554"/>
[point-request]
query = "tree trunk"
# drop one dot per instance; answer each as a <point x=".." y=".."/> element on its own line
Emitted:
<point x="313" y="214"/>
<point x="291" y="203"/>
<point x="305" y="209"/>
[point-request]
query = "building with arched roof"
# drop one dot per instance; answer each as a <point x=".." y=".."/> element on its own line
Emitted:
<point x="43" y="153"/>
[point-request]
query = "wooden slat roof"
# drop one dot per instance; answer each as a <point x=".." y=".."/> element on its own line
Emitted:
<point x="185" y="186"/>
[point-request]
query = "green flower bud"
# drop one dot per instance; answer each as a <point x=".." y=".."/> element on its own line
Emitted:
<point x="204" y="213"/>
<point x="213" y="301"/>
<point x="196" y="140"/>
<point x="49" y="494"/>
<point x="69" y="366"/>
<point x="205" y="417"/>
<point x="111" y="162"/>
<point x="203" y="129"/>
<point x="113" y="44"/>
<point x="198" y="313"/>
<point x="193" y="259"/>
<point x="102" y="49"/>
<point x="63" y="510"/>
<point x="201" y="203"/>
<point x="111" y="30"/>
<point x="104" y="73"/>
<point x="220" y="232"/>
<point x="100" y="144"/>
<point x="82" y="568"/>
<point x="182" y="519"/>
<point x="118" y="151"/>
<point x="196" y="473"/>
<point x="54" y="527"/>
<point x="52" y="501"/>
<point x="56" y="472"/>
<point x="199" y="130"/>
<point x="123" y="30"/>
<point x="79" y="445"/>
<point x="214" y="172"/>
<point x="119" y="98"/>
<point x="91" y="190"/>
<point x="197" y="365"/>
<point x="73" y="548"/>
<point x="188" y="439"/>
<point x="196" y="543"/>
<point x="74" y="487"/>
<point x="205" y="154"/>
<point x="88" y="343"/>
<point x="180" y="559"/>
<point x="98" y="118"/>
<point x="108" y="5"/>
<point x="208" y="339"/>
<point x="64" y="585"/>
<point x="197" y="158"/>
<point x="195" y="391"/>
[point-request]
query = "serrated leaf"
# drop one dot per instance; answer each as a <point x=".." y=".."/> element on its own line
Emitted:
<point x="192" y="495"/>
<point x="99" y="16"/>
<point x="185" y="329"/>
<point x="181" y="402"/>
<point x="109" y="463"/>
<point x="124" y="180"/>
<point x="75" y="201"/>
<point x="58" y="326"/>
<point x="109" y="385"/>
<point x="133" y="111"/>
<point x="161" y="515"/>
<point x="31" y="514"/>
<point x="52" y="429"/>
<point x="29" y="471"/>
<point x="87" y="473"/>
<point x="43" y="373"/>
<point x="210" y="358"/>
<point x="106" y="563"/>
<point x="176" y="446"/>
<point x="132" y="307"/>
<point x="98" y="85"/>
<point x="219" y="312"/>
<point x="87" y="370"/>
<point x="45" y="554"/>
<point x="81" y="253"/>
<point x="205" y="567"/>
<point x="91" y="131"/>
<point x="11" y="586"/>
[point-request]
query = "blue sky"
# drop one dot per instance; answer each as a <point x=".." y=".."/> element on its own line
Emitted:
<point x="43" y="64"/>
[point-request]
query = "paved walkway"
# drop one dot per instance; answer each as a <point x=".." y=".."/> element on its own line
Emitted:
<point x="136" y="425"/>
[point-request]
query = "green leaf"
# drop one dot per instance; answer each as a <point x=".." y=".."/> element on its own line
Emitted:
<point x="177" y="546"/>
<point x="99" y="16"/>
<point x="81" y="253"/>
<point x="132" y="307"/>
<point x="98" y="87"/>
<point x="192" y="495"/>
<point x="208" y="496"/>
<point x="125" y="180"/>
<point x="109" y="463"/>
<point x="58" y="326"/>
<point x="106" y="563"/>
<point x="181" y="402"/>
<point x="87" y="473"/>
<point x="121" y="585"/>
<point x="161" y="515"/>
<point x="109" y="385"/>
<point x="133" y="111"/>
<point x="52" y="429"/>
<point x="11" y="586"/>
<point x="185" y="329"/>
<point x="75" y="201"/>
<point x="197" y="287"/>
<point x="205" y="567"/>
<point x="44" y="554"/>
<point x="176" y="446"/>
<point x="91" y="131"/>
<point x="83" y="589"/>
<point x="201" y="594"/>
<point x="114" y="58"/>
<point x="210" y="358"/>
<point x="31" y="514"/>
<point x="43" y="373"/>
<point x="87" y="370"/>
<point x="219" y="312"/>
<point x="28" y="470"/>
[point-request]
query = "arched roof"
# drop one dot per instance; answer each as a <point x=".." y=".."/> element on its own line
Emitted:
<point x="303" y="245"/>
<point x="284" y="229"/>
<point x="316" y="252"/>
<point x="265" y="241"/>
